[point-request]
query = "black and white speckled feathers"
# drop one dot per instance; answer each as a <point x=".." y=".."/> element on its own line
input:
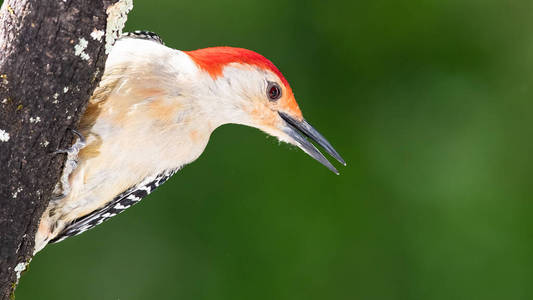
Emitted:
<point x="145" y="35"/>
<point x="123" y="201"/>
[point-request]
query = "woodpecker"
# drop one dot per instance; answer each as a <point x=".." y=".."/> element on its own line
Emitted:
<point x="152" y="113"/>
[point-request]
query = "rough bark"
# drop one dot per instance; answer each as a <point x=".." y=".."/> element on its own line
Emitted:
<point x="52" y="54"/>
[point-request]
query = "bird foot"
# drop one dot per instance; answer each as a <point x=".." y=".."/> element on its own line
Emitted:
<point x="62" y="188"/>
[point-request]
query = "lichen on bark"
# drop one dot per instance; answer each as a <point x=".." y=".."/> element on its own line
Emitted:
<point x="44" y="88"/>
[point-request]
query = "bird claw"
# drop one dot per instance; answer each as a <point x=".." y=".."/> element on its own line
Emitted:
<point x="62" y="151"/>
<point x="62" y="188"/>
<point x="74" y="149"/>
<point x="58" y="197"/>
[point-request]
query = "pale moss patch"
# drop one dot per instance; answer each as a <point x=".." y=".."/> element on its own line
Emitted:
<point x="117" y="14"/>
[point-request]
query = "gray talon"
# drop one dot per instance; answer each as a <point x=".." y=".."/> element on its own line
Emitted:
<point x="74" y="149"/>
<point x="63" y="186"/>
<point x="58" y="197"/>
<point x="79" y="135"/>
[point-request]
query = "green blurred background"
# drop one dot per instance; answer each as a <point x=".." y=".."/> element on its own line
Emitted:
<point x="429" y="102"/>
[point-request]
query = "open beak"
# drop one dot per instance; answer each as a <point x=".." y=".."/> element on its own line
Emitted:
<point x="298" y="129"/>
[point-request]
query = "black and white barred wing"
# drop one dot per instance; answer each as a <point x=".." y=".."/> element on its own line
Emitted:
<point x="143" y="34"/>
<point x="123" y="201"/>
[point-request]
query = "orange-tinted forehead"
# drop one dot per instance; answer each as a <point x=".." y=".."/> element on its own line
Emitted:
<point x="214" y="59"/>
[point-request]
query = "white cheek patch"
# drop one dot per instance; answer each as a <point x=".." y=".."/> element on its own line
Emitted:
<point x="244" y="80"/>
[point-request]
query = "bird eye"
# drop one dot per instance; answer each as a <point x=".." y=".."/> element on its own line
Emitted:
<point x="273" y="91"/>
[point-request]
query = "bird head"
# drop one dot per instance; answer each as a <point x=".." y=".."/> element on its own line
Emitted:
<point x="253" y="92"/>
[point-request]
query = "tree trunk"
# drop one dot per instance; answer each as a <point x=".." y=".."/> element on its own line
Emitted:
<point x="52" y="54"/>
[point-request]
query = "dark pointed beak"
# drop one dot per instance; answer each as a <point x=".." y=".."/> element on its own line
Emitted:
<point x="298" y="130"/>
